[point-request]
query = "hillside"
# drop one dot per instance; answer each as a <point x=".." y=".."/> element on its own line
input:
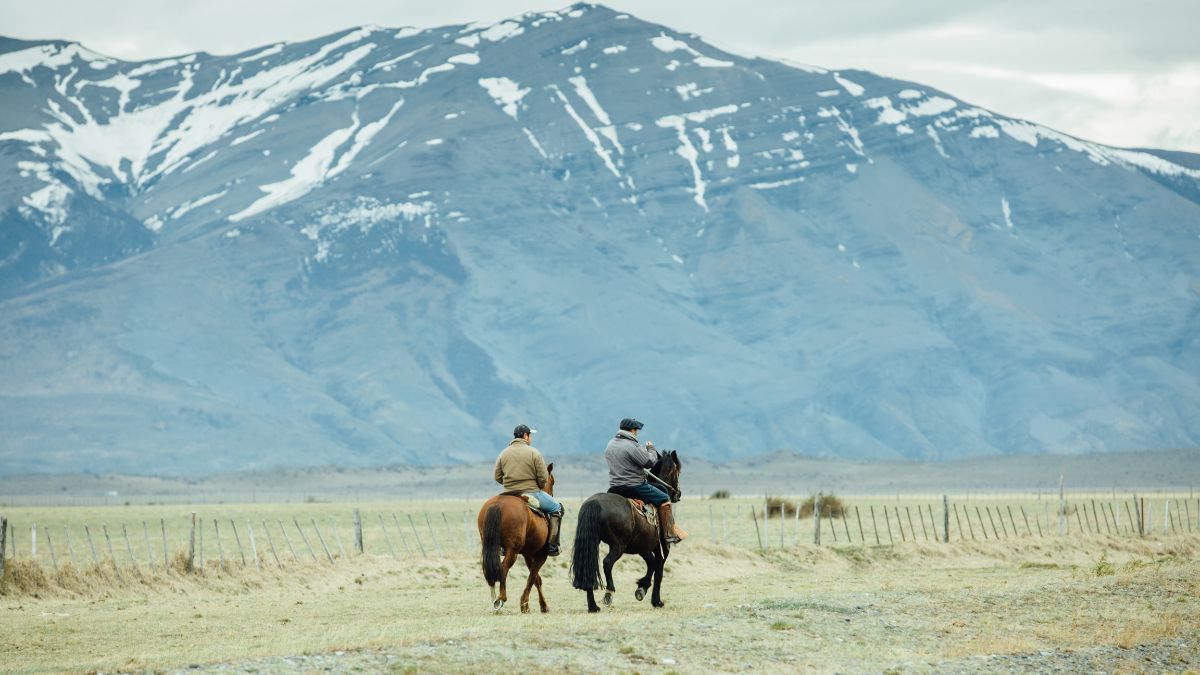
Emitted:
<point x="391" y="245"/>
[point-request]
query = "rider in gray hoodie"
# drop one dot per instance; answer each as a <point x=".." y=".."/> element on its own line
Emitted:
<point x="626" y="460"/>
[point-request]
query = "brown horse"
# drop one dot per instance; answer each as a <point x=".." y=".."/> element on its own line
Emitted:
<point x="507" y="527"/>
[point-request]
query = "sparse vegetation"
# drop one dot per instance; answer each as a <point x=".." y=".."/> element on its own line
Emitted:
<point x="720" y="494"/>
<point x="831" y="507"/>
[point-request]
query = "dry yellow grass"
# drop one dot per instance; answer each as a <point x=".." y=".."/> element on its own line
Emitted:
<point x="729" y="608"/>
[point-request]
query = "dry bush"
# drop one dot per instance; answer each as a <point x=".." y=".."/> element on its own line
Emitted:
<point x="831" y="507"/>
<point x="720" y="494"/>
<point x="778" y="507"/>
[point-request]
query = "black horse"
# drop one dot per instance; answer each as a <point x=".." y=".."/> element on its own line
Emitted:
<point x="611" y="518"/>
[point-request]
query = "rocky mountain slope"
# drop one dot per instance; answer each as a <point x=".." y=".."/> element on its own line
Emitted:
<point x="392" y="245"/>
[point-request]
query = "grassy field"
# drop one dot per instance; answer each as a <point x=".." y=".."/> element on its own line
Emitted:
<point x="736" y="601"/>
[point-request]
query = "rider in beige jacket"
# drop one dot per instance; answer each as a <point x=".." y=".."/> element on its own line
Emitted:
<point x="521" y="470"/>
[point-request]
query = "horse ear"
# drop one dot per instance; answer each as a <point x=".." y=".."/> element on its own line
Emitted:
<point x="675" y="456"/>
<point x="550" y="467"/>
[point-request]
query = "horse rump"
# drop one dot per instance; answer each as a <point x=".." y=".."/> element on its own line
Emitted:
<point x="491" y="545"/>
<point x="585" y="559"/>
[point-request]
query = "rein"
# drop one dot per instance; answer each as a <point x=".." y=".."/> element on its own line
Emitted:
<point x="671" y="491"/>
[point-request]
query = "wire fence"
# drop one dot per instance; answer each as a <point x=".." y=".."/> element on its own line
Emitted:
<point x="213" y="541"/>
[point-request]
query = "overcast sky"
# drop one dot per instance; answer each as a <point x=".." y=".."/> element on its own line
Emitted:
<point x="1121" y="72"/>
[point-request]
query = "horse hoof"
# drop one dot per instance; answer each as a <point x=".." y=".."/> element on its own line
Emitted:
<point x="660" y="604"/>
<point x="608" y="599"/>
<point x="593" y="610"/>
<point x="498" y="604"/>
<point x="524" y="609"/>
<point x="640" y="594"/>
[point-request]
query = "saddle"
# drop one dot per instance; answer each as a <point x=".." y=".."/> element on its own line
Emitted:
<point x="530" y="501"/>
<point x="639" y="507"/>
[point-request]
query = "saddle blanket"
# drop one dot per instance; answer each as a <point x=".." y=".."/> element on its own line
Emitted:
<point x="645" y="510"/>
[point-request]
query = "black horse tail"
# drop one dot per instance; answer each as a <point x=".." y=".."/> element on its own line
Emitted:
<point x="491" y="545"/>
<point x="585" y="561"/>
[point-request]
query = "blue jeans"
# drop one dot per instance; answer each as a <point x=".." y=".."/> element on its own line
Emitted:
<point x="546" y="502"/>
<point x="645" y="492"/>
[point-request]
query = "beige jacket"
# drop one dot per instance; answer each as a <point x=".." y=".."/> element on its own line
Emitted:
<point x="520" y="468"/>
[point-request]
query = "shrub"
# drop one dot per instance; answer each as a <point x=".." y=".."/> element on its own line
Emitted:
<point x="831" y="507"/>
<point x="720" y="494"/>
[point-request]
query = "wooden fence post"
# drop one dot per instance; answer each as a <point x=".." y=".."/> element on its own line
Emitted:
<point x="1012" y="520"/>
<point x="817" y="519"/>
<point x="386" y="538"/>
<point x="1025" y="517"/>
<point x="1062" y="506"/>
<point x="946" y="519"/>
<point x="304" y="538"/>
<point x="712" y="528"/>
<point x="979" y="515"/>
<point x="862" y="539"/>
<point x="757" y="534"/>
<point x="3" y="542"/>
<point x="111" y="556"/>
<point x="767" y="522"/>
<point x="238" y="539"/>
<point x="899" y="525"/>
<point x="88" y="532"/>
<point x="288" y="541"/>
<point x="436" y="545"/>
<point x="33" y="542"/>
<point x="149" y="551"/>
<point x="50" y="547"/>
<point x="129" y="547"/>
<point x="220" y="548"/>
<point x="403" y="539"/>
<point x="322" y="540"/>
<point x="413" y="525"/>
<point x="337" y="537"/>
<point x="191" y="559"/>
<point x="162" y="524"/>
<point x="846" y="525"/>
<point x="358" y="534"/>
<point x="271" y="542"/>
<point x="875" y="526"/>
<point x="70" y="548"/>
<point x="887" y="521"/>
<point x="1132" y="527"/>
<point x="253" y="545"/>
<point x="829" y="516"/>
<point x="200" y="544"/>
<point x="908" y="514"/>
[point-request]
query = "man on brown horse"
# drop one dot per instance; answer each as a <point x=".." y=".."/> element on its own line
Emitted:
<point x="522" y="471"/>
<point x="627" y="459"/>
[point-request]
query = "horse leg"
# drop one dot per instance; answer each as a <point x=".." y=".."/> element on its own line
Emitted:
<point x="592" y="606"/>
<point x="615" y="551"/>
<point x="532" y="566"/>
<point x="656" y="597"/>
<point x="510" y="557"/>
<point x="643" y="584"/>
<point x="536" y="576"/>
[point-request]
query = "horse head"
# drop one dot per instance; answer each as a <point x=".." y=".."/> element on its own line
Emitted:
<point x="667" y="469"/>
<point x="549" y="489"/>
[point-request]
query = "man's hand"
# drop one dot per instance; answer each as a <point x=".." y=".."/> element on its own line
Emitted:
<point x="650" y="447"/>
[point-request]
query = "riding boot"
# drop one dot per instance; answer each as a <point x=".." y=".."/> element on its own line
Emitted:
<point x="552" y="540"/>
<point x="672" y="532"/>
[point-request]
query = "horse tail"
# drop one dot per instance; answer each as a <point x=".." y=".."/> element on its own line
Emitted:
<point x="491" y="545"/>
<point x="585" y="560"/>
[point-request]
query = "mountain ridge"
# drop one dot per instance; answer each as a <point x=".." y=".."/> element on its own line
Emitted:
<point x="382" y="239"/>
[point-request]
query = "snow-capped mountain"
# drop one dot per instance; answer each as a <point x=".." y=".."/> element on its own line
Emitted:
<point x="392" y="245"/>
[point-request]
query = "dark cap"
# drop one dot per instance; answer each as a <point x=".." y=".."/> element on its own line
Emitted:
<point x="630" y="424"/>
<point x="521" y="430"/>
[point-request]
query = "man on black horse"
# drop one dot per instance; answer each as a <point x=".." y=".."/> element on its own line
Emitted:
<point x="522" y="471"/>
<point x="626" y="460"/>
